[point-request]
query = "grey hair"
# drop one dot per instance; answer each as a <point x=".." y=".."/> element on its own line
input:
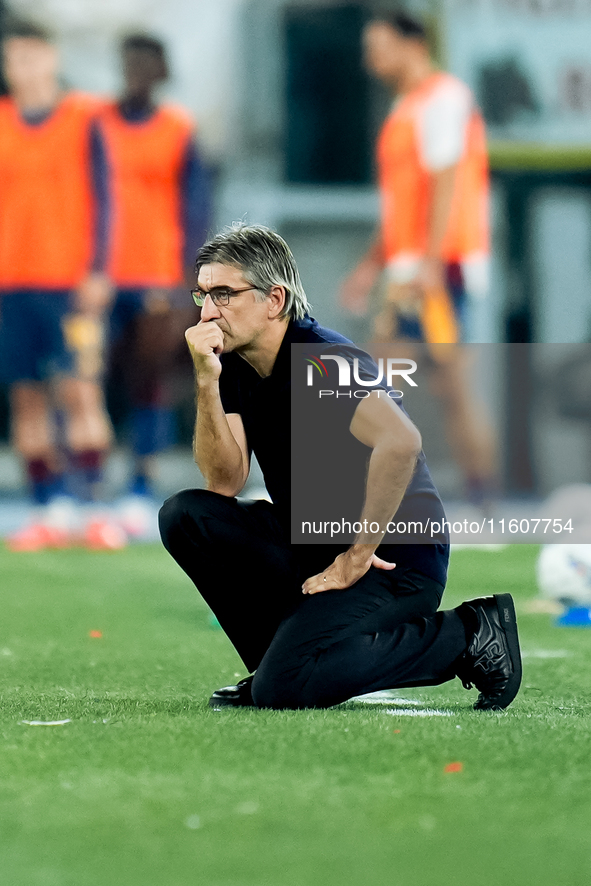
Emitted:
<point x="265" y="259"/>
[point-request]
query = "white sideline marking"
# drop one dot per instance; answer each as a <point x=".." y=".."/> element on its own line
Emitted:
<point x="423" y="712"/>
<point x="491" y="548"/>
<point x="544" y="653"/>
<point x="403" y="707"/>
<point x="386" y="697"/>
<point x="45" y="722"/>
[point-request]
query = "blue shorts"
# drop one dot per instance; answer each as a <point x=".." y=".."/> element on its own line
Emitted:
<point x="410" y="328"/>
<point x="33" y="346"/>
<point x="127" y="304"/>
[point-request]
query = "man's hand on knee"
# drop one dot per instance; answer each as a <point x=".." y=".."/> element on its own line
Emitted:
<point x="348" y="568"/>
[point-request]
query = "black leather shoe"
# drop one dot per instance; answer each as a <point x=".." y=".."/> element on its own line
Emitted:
<point x="492" y="662"/>
<point x="233" y="696"/>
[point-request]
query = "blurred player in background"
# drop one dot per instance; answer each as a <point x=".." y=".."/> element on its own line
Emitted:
<point x="433" y="241"/>
<point x="53" y="285"/>
<point x="160" y="214"/>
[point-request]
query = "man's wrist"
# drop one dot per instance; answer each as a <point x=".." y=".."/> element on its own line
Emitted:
<point x="360" y="552"/>
<point x="206" y="384"/>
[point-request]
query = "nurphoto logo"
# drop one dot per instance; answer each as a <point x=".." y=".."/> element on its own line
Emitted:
<point x="394" y="367"/>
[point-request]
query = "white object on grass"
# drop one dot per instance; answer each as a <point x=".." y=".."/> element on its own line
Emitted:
<point x="419" y="712"/>
<point x="45" y="722"/>
<point x="563" y="572"/>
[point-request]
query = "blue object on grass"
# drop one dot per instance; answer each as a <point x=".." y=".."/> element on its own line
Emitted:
<point x="575" y="616"/>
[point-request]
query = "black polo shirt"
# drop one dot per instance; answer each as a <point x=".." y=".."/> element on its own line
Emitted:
<point x="265" y="407"/>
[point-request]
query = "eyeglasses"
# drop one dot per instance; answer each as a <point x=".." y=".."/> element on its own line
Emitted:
<point x="220" y="295"/>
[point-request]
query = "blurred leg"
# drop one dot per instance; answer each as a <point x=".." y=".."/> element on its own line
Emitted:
<point x="33" y="432"/>
<point x="467" y="423"/>
<point x="26" y="346"/>
<point x="34" y="439"/>
<point x="149" y="337"/>
<point x="87" y="423"/>
<point x="78" y="392"/>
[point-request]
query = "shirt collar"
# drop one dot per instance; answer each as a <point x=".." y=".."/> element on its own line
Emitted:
<point x="292" y="335"/>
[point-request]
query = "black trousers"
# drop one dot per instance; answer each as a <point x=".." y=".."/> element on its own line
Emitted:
<point x="308" y="651"/>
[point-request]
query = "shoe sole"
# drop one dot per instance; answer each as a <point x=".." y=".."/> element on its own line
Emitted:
<point x="224" y="703"/>
<point x="236" y="700"/>
<point x="508" y="621"/>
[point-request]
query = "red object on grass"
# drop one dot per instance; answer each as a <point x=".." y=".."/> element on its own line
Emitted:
<point x="96" y="634"/>
<point x="38" y="537"/>
<point x="396" y="731"/>
<point x="104" y="535"/>
<point x="453" y="767"/>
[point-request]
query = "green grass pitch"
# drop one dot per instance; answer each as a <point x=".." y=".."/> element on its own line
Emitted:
<point x="146" y="786"/>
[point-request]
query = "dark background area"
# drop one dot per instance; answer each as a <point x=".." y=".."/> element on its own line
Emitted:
<point x="328" y="139"/>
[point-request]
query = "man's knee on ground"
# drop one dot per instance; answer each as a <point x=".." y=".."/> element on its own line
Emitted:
<point x="270" y="694"/>
<point x="277" y="691"/>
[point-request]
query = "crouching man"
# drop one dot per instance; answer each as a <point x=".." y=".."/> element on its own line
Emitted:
<point x="315" y="624"/>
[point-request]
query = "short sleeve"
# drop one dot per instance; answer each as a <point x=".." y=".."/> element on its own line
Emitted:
<point x="351" y="375"/>
<point x="443" y="123"/>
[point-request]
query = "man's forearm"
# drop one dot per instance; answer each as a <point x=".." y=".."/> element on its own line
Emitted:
<point x="388" y="476"/>
<point x="215" y="449"/>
